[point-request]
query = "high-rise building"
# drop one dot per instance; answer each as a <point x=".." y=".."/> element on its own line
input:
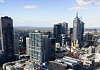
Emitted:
<point x="78" y="30"/>
<point x="27" y="45"/>
<point x="22" y="45"/>
<point x="20" y="41"/>
<point x="6" y="39"/>
<point x="61" y="32"/>
<point x="90" y="40"/>
<point x="57" y="32"/>
<point x="71" y="32"/>
<point x="42" y="48"/>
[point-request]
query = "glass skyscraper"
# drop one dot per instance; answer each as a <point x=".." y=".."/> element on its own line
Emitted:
<point x="6" y="39"/>
<point x="60" y="30"/>
<point x="42" y="48"/>
<point x="78" y="30"/>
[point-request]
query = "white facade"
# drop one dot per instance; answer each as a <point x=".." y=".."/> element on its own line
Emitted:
<point x="27" y="45"/>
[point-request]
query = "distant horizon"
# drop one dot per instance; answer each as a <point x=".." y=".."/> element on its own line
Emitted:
<point x="51" y="27"/>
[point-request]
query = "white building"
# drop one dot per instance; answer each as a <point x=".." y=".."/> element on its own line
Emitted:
<point x="27" y="45"/>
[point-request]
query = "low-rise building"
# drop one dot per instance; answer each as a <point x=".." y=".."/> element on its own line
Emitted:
<point x="21" y="65"/>
<point x="65" y="63"/>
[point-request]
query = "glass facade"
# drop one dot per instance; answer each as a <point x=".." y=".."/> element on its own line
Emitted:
<point x="36" y="39"/>
<point x="78" y="30"/>
<point x="42" y="47"/>
<point x="6" y="39"/>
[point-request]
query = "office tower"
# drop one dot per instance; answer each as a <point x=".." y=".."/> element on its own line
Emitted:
<point x="51" y="50"/>
<point x="27" y="45"/>
<point x="20" y="41"/>
<point x="22" y="45"/>
<point x="90" y="40"/>
<point x="78" y="30"/>
<point x="50" y="34"/>
<point x="42" y="48"/>
<point x="71" y="32"/>
<point x="70" y="37"/>
<point x="16" y="44"/>
<point x="65" y="28"/>
<point x="58" y="32"/>
<point x="61" y="32"/>
<point x="6" y="39"/>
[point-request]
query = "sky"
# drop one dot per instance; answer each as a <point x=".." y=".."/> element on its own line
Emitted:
<point x="46" y="13"/>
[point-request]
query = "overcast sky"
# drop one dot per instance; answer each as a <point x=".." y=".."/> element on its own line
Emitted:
<point x="46" y="13"/>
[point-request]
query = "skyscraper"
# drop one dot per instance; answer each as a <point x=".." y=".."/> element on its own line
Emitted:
<point x="6" y="39"/>
<point x="27" y="45"/>
<point x="60" y="31"/>
<point x="42" y="48"/>
<point x="78" y="30"/>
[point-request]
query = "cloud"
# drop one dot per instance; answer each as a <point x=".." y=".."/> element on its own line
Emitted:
<point x="85" y="2"/>
<point x="97" y="2"/>
<point x="2" y="1"/>
<point x="30" y="6"/>
<point x="78" y="9"/>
